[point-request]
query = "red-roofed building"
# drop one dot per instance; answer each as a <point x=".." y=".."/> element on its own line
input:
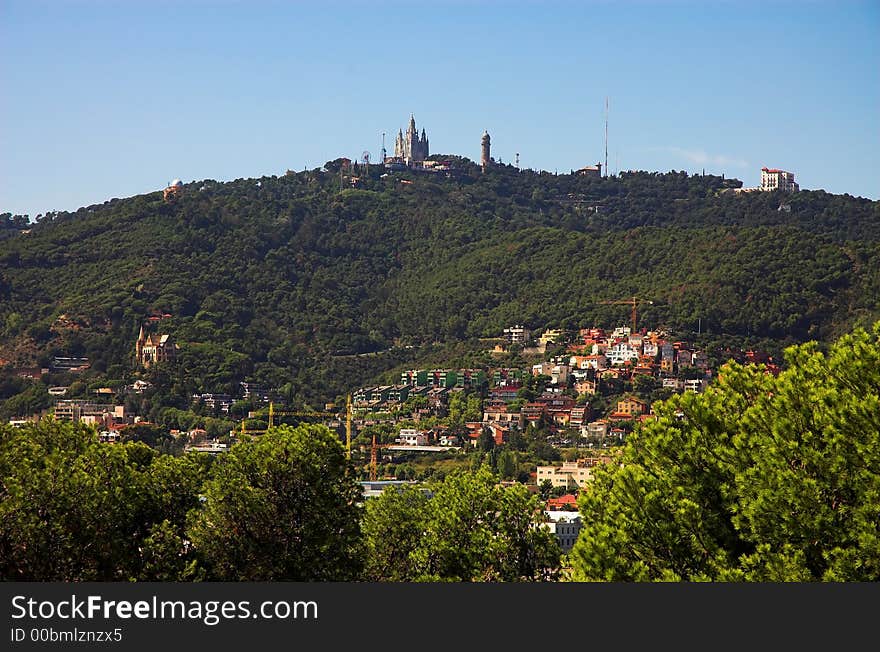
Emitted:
<point x="773" y="179"/>
<point x="565" y="503"/>
<point x="500" y="434"/>
<point x="534" y="412"/>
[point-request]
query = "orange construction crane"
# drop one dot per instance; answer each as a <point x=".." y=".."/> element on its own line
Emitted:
<point x="630" y="302"/>
<point x="374" y="458"/>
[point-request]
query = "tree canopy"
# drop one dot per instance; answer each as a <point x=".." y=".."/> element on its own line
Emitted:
<point x="469" y="529"/>
<point x="283" y="506"/>
<point x="74" y="509"/>
<point x="761" y="478"/>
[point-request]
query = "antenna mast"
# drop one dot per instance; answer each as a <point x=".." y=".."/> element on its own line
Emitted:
<point x="384" y="155"/>
<point x="606" y="135"/>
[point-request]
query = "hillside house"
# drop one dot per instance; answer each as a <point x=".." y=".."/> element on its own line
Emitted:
<point x="501" y="416"/>
<point x="573" y="474"/>
<point x="629" y="407"/>
<point x="412" y="437"/>
<point x="565" y="526"/>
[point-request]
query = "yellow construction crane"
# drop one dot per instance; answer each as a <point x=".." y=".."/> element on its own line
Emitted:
<point x="630" y="302"/>
<point x="305" y="413"/>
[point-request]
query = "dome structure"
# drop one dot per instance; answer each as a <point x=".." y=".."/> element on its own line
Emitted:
<point x="177" y="183"/>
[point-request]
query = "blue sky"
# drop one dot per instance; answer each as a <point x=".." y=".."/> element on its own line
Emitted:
<point x="104" y="99"/>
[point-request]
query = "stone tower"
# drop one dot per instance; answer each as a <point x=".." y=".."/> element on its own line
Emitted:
<point x="484" y="155"/>
<point x="410" y="146"/>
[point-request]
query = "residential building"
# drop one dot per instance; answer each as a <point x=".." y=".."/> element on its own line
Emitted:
<point x="31" y="373"/>
<point x="517" y="334"/>
<point x="412" y="437"/>
<point x="500" y="434"/>
<point x="507" y="376"/>
<point x="212" y="447"/>
<point x="447" y="377"/>
<point x="139" y="386"/>
<point x="579" y="415"/>
<point x="505" y="393"/>
<point x="629" y="407"/>
<point x="502" y="416"/>
<point x="622" y="352"/>
<point x="551" y="335"/>
<point x="363" y="395"/>
<point x="449" y="440"/>
<point x="375" y="488"/>
<point x="399" y="393"/>
<point x="77" y="410"/>
<point x="382" y="393"/>
<point x="674" y="384"/>
<point x="534" y="412"/>
<point x="590" y="171"/>
<point x="572" y="474"/>
<point x="70" y="364"/>
<point x="566" y="526"/>
<point x="254" y="392"/>
<point x="773" y="179"/>
<point x="418" y="377"/>
<point x="566" y="502"/>
<point x="695" y="385"/>
<point x="684" y="358"/>
<point x="219" y="402"/>
<point x="437" y="396"/>
<point x="471" y="377"/>
<point x="559" y="374"/>
<point x="597" y="430"/>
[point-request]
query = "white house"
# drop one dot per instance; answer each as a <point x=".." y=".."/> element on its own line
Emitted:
<point x="622" y="352"/>
<point x="566" y="526"/>
<point x="596" y="429"/>
<point x="412" y="437"/>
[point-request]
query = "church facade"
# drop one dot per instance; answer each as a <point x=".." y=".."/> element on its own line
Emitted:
<point x="152" y="349"/>
<point x="410" y="147"/>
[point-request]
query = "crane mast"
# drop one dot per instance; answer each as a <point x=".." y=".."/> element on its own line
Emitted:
<point x="630" y="302"/>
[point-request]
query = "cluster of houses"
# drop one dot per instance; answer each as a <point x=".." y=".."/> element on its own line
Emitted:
<point x="595" y="361"/>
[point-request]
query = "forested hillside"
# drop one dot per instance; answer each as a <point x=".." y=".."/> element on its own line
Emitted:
<point x="281" y="280"/>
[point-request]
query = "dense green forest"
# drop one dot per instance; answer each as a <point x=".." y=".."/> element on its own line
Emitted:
<point x="305" y="283"/>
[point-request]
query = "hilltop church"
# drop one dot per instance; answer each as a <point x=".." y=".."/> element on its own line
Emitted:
<point x="410" y="147"/>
